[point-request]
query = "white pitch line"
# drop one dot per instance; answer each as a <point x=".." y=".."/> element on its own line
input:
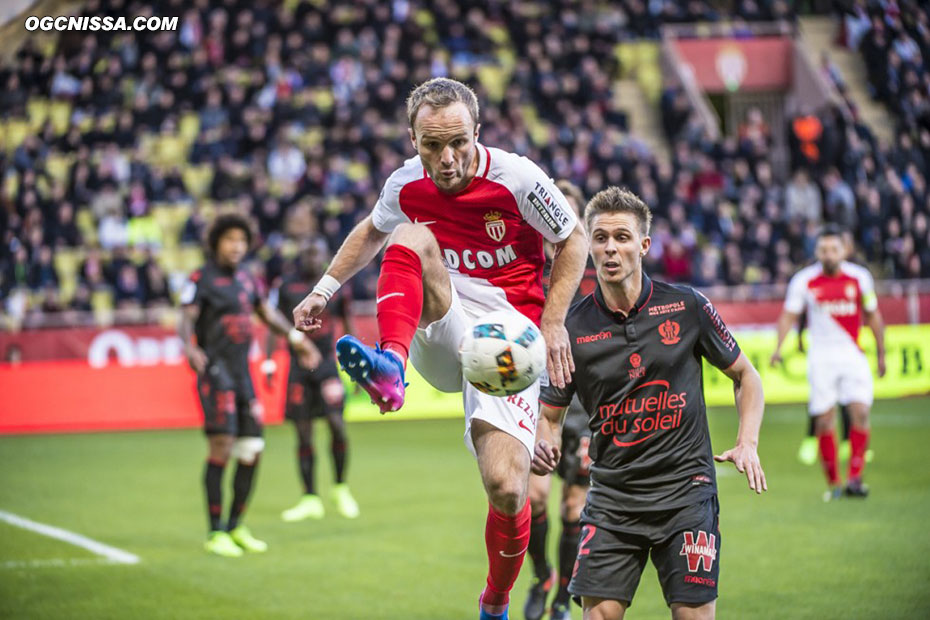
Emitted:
<point x="117" y="556"/>
<point x="55" y="563"/>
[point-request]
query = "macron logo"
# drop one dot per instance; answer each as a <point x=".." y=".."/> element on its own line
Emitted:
<point x="594" y="337"/>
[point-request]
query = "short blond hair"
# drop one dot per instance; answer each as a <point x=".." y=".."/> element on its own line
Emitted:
<point x="441" y="92"/>
<point x="618" y="200"/>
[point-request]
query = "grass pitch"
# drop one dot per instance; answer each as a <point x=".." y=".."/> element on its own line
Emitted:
<point x="417" y="551"/>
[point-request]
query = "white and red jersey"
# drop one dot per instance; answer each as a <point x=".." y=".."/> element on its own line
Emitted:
<point x="491" y="233"/>
<point x="835" y="305"/>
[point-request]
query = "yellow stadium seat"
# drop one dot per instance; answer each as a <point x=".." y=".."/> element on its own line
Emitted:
<point x="10" y="184"/>
<point x="14" y="133"/>
<point x="494" y="81"/>
<point x="37" y="110"/>
<point x="189" y="127"/>
<point x="191" y="258"/>
<point x="197" y="179"/>
<point x="68" y="262"/>
<point x="84" y="220"/>
<point x="169" y="150"/>
<point x="58" y="166"/>
<point x="101" y="301"/>
<point x="626" y="56"/>
<point x="60" y="115"/>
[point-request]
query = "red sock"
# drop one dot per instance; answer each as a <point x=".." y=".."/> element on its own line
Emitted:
<point x="507" y="538"/>
<point x="859" y="442"/>
<point x="400" y="298"/>
<point x="828" y="454"/>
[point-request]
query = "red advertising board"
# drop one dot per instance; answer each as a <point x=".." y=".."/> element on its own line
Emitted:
<point x="728" y="65"/>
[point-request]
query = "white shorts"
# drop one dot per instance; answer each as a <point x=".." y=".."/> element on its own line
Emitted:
<point x="838" y="379"/>
<point x="434" y="352"/>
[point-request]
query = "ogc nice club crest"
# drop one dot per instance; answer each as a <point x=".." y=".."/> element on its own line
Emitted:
<point x="494" y="225"/>
<point x="669" y="332"/>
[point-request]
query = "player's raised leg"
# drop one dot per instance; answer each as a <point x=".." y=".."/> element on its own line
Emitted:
<point x="826" y="436"/>
<point x="413" y="290"/>
<point x="859" y="444"/>
<point x="535" y="605"/>
<point x="505" y="466"/>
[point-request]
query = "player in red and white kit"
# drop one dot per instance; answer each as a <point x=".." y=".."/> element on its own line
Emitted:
<point x="837" y="294"/>
<point x="464" y="226"/>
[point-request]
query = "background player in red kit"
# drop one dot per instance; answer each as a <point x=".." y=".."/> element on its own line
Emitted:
<point x="465" y="226"/>
<point x="836" y="294"/>
<point x="218" y="303"/>
<point x="314" y="393"/>
<point x="638" y="344"/>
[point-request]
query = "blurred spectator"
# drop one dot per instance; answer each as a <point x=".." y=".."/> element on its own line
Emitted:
<point x="802" y="198"/>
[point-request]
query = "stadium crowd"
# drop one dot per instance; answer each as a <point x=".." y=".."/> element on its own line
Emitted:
<point x="121" y="146"/>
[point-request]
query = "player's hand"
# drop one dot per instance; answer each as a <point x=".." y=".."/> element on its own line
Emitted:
<point x="775" y="359"/>
<point x="306" y="314"/>
<point x="197" y="359"/>
<point x="746" y="459"/>
<point x="545" y="459"/>
<point x="882" y="369"/>
<point x="559" y="362"/>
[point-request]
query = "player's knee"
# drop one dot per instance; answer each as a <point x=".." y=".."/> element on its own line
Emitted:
<point x="507" y="495"/>
<point x="416" y="237"/>
<point x="247" y="449"/>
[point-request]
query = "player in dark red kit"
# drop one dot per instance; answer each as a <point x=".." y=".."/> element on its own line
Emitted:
<point x="218" y="303"/>
<point x="637" y="345"/>
<point x="314" y="393"/>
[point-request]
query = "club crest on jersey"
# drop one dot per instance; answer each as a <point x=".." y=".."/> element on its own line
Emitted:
<point x="701" y="551"/>
<point x="669" y="331"/>
<point x="495" y="225"/>
<point x="638" y="370"/>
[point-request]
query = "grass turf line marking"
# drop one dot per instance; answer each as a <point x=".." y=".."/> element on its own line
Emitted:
<point x="116" y="556"/>
<point x="56" y="563"/>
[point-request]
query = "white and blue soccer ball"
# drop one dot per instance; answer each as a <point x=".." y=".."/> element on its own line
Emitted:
<point x="503" y="353"/>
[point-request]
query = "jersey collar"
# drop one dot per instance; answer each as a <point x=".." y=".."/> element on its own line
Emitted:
<point x="644" y="297"/>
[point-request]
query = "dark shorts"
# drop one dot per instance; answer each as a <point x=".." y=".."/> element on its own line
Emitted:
<point x="305" y="393"/>
<point x="227" y="397"/>
<point x="685" y="548"/>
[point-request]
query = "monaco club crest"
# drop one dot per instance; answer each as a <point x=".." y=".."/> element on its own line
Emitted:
<point x="494" y="225"/>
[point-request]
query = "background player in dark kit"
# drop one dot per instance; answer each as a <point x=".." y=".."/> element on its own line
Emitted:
<point x="573" y="469"/>
<point x="314" y="393"/>
<point x="218" y="303"/>
<point x="638" y="346"/>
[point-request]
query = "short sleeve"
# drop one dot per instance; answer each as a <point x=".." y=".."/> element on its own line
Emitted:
<point x="794" y="300"/>
<point x="867" y="290"/>
<point x="191" y="291"/>
<point x="387" y="214"/>
<point x="542" y="204"/>
<point x="555" y="396"/>
<point x="715" y="342"/>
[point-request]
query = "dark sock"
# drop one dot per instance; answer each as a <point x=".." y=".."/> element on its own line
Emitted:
<point x="305" y="458"/>
<point x="338" y="448"/>
<point x="847" y="421"/>
<point x="539" y="531"/>
<point x="242" y="486"/>
<point x="213" y="481"/>
<point x="810" y="426"/>
<point x="568" y="551"/>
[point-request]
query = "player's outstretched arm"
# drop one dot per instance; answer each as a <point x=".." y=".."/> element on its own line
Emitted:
<point x="548" y="439"/>
<point x="785" y="322"/>
<point x="750" y="404"/>
<point x="358" y="249"/>
<point x="874" y="320"/>
<point x="567" y="270"/>
<point x="310" y="356"/>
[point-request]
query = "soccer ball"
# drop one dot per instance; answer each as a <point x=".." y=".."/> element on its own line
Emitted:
<point x="503" y="353"/>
